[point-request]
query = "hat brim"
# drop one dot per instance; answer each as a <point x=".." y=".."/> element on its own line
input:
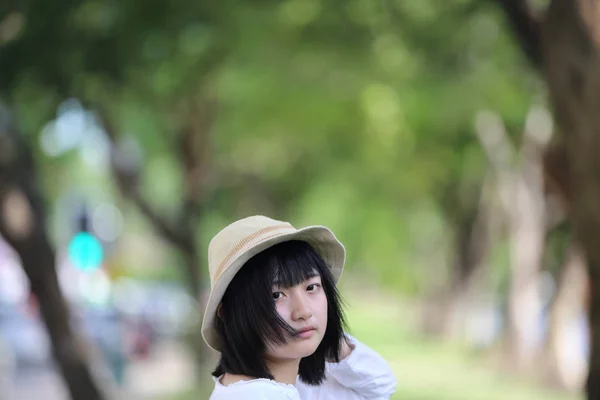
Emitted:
<point x="320" y="238"/>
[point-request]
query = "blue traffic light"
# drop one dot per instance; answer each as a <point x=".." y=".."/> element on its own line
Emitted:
<point x="85" y="251"/>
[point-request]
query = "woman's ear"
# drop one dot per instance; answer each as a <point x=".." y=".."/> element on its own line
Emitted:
<point x="219" y="311"/>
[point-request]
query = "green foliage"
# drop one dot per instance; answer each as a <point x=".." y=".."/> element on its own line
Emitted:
<point x="356" y="114"/>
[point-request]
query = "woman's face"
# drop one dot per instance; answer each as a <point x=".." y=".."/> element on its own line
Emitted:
<point x="304" y="308"/>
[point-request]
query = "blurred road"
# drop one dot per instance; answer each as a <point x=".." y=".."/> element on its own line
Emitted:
<point x="170" y="369"/>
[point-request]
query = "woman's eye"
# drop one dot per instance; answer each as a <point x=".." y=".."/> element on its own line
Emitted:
<point x="312" y="287"/>
<point x="277" y="295"/>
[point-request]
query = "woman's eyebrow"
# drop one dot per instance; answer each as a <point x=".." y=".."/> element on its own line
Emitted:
<point x="315" y="274"/>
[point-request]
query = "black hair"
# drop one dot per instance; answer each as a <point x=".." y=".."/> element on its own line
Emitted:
<point x="248" y="318"/>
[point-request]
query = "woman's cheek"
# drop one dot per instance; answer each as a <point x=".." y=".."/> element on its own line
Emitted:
<point x="283" y="310"/>
<point x="323" y="303"/>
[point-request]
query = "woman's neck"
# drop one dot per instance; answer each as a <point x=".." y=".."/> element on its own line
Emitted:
<point x="284" y="371"/>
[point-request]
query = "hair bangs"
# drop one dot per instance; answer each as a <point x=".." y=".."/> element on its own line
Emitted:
<point x="296" y="262"/>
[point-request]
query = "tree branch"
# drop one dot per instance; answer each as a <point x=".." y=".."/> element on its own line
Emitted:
<point x="494" y="141"/>
<point x="490" y="131"/>
<point x="161" y="224"/>
<point x="525" y="27"/>
<point x="198" y="114"/>
<point x="126" y="172"/>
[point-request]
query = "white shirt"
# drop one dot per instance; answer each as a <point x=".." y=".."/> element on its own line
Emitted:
<point x="364" y="374"/>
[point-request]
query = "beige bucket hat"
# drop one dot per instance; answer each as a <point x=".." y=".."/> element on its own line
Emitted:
<point x="229" y="250"/>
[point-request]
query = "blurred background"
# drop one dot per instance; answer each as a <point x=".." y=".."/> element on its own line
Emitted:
<point x="131" y="132"/>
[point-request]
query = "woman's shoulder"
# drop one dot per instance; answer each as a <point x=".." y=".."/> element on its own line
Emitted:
<point x="254" y="389"/>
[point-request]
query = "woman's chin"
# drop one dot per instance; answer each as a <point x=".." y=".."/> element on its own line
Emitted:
<point x="296" y="348"/>
<point x="305" y="348"/>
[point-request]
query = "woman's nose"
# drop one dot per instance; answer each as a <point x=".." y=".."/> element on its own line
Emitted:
<point x="301" y="308"/>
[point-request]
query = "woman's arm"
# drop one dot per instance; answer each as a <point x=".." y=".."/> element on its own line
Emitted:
<point x="362" y="370"/>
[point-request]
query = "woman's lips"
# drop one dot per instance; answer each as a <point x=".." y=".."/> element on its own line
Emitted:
<point x="305" y="333"/>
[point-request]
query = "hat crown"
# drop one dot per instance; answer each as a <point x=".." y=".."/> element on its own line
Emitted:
<point x="234" y="239"/>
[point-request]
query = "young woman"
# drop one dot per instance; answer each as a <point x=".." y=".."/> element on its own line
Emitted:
<point x="275" y="316"/>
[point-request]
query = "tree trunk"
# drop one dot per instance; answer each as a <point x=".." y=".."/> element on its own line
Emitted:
<point x="462" y="271"/>
<point x="189" y="224"/>
<point x="38" y="259"/>
<point x="526" y="231"/>
<point x="448" y="311"/>
<point x="565" y="367"/>
<point x="572" y="67"/>
<point x="22" y="224"/>
<point x="520" y="192"/>
<point x="469" y="272"/>
<point x="192" y="271"/>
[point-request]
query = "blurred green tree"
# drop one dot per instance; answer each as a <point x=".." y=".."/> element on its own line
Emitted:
<point x="560" y="40"/>
<point x="356" y="114"/>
